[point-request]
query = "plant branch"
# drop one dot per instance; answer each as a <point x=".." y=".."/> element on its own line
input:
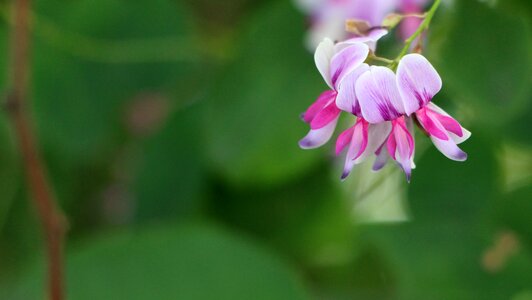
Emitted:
<point x="422" y="27"/>
<point x="52" y="220"/>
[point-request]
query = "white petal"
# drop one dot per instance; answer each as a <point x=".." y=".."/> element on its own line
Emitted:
<point x="378" y="96"/>
<point x="417" y="81"/>
<point x="377" y="134"/>
<point x="346" y="61"/>
<point x="318" y="137"/>
<point x="322" y="58"/>
<point x="346" y="99"/>
<point x="457" y="139"/>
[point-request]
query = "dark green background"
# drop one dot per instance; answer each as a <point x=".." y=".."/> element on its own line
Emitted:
<point x="170" y="131"/>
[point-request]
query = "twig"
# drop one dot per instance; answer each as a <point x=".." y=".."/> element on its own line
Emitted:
<point x="51" y="218"/>
<point x="422" y="27"/>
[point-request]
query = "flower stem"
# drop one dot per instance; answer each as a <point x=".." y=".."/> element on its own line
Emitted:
<point x="422" y="27"/>
<point x="378" y="58"/>
<point x="53" y="221"/>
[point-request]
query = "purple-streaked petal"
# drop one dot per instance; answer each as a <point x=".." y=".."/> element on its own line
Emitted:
<point x="325" y="116"/>
<point x="457" y="139"/>
<point x="366" y="139"/>
<point x="381" y="158"/>
<point x="317" y="137"/>
<point x="377" y="93"/>
<point x="418" y="82"/>
<point x="448" y="148"/>
<point x="446" y="145"/>
<point x="318" y="105"/>
<point x="346" y="61"/>
<point x="358" y="144"/>
<point x="346" y="99"/>
<point x="344" y="139"/>
<point x="427" y="122"/>
<point x="401" y="146"/>
<point x="377" y="135"/>
<point x="391" y="145"/>
<point x="322" y="57"/>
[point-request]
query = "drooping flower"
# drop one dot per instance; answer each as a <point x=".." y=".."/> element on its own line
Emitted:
<point x="418" y="82"/>
<point x="334" y="64"/>
<point x="362" y="139"/>
<point x="386" y="97"/>
<point x="381" y="102"/>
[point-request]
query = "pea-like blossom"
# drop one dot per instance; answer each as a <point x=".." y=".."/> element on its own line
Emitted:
<point x="334" y="62"/>
<point x="381" y="102"/>
<point x="363" y="139"/>
<point x="418" y="82"/>
<point x="384" y="96"/>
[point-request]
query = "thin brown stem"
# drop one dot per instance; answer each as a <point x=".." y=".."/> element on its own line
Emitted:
<point x="52" y="220"/>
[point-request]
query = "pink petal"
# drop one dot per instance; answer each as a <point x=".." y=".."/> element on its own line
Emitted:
<point x="391" y="145"/>
<point x="418" y="82"/>
<point x="346" y="99"/>
<point x="447" y="122"/>
<point x="426" y="120"/>
<point x="377" y="135"/>
<point x="457" y="139"/>
<point x="322" y="58"/>
<point x="346" y="61"/>
<point x="318" y="105"/>
<point x="401" y="146"/>
<point x="449" y="149"/>
<point x="325" y="116"/>
<point x="344" y="139"/>
<point x="317" y="137"/>
<point x="447" y="146"/>
<point x="358" y="144"/>
<point x="450" y="124"/>
<point x="377" y="93"/>
<point x="381" y="159"/>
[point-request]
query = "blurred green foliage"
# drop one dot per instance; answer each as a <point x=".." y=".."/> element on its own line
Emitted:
<point x="170" y="130"/>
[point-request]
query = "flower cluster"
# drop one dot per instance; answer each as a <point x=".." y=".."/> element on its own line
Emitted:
<point x="385" y="104"/>
<point x="327" y="16"/>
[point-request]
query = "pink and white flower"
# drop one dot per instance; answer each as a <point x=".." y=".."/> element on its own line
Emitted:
<point x="386" y="97"/>
<point x="334" y="63"/>
<point x="381" y="102"/>
<point x="362" y="139"/>
<point x="418" y="82"/>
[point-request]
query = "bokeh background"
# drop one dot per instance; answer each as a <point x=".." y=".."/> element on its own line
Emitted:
<point x="170" y="131"/>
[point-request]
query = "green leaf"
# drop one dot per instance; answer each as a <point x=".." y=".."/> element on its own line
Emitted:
<point x="190" y="262"/>
<point x="254" y="126"/>
<point x="513" y="211"/>
<point x="91" y="58"/>
<point x="455" y="191"/>
<point x="171" y="176"/>
<point x="486" y="63"/>
<point x="439" y="253"/>
<point x="308" y="218"/>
